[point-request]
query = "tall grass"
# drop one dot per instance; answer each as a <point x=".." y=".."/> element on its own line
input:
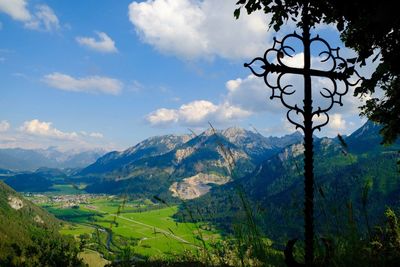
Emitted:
<point x="348" y="245"/>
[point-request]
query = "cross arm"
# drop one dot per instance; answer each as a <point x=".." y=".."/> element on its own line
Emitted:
<point x="268" y="67"/>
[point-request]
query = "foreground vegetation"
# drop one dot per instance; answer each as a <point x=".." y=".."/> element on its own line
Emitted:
<point x="116" y="232"/>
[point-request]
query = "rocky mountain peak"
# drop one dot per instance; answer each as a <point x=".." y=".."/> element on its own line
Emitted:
<point x="233" y="134"/>
<point x="234" y="131"/>
<point x="170" y="141"/>
<point x="209" y="132"/>
<point x="369" y="128"/>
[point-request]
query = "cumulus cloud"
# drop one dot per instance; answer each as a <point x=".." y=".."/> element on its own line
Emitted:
<point x="103" y="44"/>
<point x="197" y="113"/>
<point x="42" y="18"/>
<point x="90" y="84"/>
<point x="337" y="122"/>
<point x="17" y="9"/>
<point x="163" y="116"/>
<point x="42" y="128"/>
<point x="188" y="28"/>
<point x="251" y="94"/>
<point x="40" y="134"/>
<point x="4" y="126"/>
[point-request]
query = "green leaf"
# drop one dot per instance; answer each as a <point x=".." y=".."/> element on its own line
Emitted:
<point x="236" y="13"/>
<point x="352" y="60"/>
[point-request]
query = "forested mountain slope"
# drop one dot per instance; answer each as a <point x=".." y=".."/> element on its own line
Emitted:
<point x="29" y="235"/>
<point x="359" y="176"/>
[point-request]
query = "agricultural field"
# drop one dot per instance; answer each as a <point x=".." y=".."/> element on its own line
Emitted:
<point x="108" y="224"/>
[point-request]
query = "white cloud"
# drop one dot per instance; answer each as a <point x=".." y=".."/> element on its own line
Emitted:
<point x="192" y="29"/>
<point x="163" y="116"/>
<point x="280" y="127"/>
<point x="337" y="122"/>
<point x="90" y="84"/>
<point x="34" y="134"/>
<point x="103" y="44"/>
<point x="17" y="9"/>
<point x="251" y="94"/>
<point x="232" y="85"/>
<point x="244" y="96"/>
<point x="40" y="128"/>
<point x="43" y="18"/>
<point x="93" y="134"/>
<point x="197" y="113"/>
<point x="96" y="135"/>
<point x="4" y="126"/>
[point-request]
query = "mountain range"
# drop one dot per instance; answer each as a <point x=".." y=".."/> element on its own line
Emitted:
<point x="189" y="166"/>
<point x="184" y="166"/>
<point x="218" y="171"/>
<point x="354" y="175"/>
<point x="19" y="159"/>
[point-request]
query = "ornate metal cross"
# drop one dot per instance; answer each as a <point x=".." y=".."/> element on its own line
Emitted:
<point x="338" y="73"/>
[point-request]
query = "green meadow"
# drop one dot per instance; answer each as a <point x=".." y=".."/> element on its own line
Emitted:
<point x="107" y="224"/>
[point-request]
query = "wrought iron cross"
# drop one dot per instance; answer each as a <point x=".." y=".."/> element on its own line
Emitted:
<point x="339" y="72"/>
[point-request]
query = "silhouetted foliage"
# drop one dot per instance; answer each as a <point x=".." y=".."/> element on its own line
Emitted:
<point x="366" y="27"/>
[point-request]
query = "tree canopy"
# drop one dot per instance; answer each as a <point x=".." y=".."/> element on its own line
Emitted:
<point x="364" y="26"/>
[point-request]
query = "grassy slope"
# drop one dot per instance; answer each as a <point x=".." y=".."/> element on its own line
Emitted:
<point x="25" y="230"/>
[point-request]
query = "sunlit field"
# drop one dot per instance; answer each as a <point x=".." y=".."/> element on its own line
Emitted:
<point x="148" y="228"/>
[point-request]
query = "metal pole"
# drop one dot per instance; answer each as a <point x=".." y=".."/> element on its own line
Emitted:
<point x="308" y="153"/>
<point x="340" y="71"/>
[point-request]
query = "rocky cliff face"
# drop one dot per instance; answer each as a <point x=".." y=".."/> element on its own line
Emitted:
<point x="174" y="163"/>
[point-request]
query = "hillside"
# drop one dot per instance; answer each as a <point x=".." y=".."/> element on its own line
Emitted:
<point x="41" y="180"/>
<point x="360" y="174"/>
<point x="29" y="235"/>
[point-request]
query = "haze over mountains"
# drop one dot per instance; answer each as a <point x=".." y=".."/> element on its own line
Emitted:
<point x="19" y="159"/>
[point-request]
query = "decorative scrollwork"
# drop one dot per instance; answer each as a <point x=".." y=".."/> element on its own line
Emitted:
<point x="340" y="71"/>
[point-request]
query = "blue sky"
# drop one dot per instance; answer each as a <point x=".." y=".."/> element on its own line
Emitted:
<point x="86" y="74"/>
